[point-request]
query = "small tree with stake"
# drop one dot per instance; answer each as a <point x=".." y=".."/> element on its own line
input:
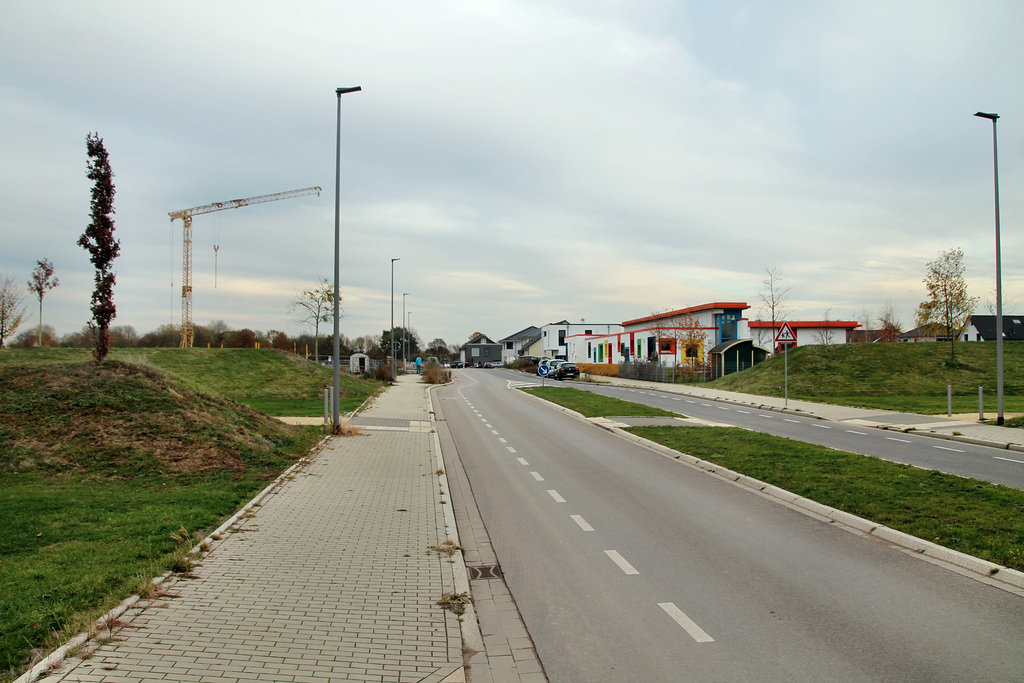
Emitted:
<point x="42" y="281"/>
<point x="948" y="304"/>
<point x="98" y="240"/>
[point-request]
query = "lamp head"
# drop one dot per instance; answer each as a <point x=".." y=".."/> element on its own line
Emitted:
<point x="983" y="115"/>
<point x="342" y="91"/>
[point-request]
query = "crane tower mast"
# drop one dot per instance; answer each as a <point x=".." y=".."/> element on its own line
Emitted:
<point x="187" y="331"/>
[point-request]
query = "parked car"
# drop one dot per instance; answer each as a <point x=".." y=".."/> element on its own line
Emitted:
<point x="566" y="371"/>
<point x="551" y="363"/>
<point x="459" y="364"/>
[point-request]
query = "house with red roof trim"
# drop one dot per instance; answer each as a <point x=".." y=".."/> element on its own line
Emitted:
<point x="806" y="331"/>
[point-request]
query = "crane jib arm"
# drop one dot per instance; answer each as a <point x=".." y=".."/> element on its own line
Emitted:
<point x="238" y="203"/>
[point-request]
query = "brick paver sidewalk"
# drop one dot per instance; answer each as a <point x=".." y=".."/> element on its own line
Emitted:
<point x="327" y="580"/>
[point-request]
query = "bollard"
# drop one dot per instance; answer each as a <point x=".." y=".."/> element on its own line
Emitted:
<point x="949" y="400"/>
<point x="981" y="404"/>
<point x="327" y="406"/>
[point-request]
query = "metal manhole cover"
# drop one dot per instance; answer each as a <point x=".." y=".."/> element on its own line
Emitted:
<point x="486" y="571"/>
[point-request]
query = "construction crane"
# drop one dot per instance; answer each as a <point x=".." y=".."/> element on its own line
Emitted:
<point x="187" y="333"/>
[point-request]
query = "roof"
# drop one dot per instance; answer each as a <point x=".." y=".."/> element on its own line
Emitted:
<point x="525" y="333"/>
<point x="727" y="305"/>
<point x="479" y="339"/>
<point x="767" y="324"/>
<point x="1013" y="327"/>
<point x="727" y="345"/>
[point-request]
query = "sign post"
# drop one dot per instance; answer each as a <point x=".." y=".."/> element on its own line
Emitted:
<point x="786" y="336"/>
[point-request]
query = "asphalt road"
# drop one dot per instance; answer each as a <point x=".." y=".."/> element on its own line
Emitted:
<point x="628" y="566"/>
<point x="967" y="460"/>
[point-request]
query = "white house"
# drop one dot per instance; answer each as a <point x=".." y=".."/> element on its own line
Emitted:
<point x="682" y="336"/>
<point x="554" y="336"/>
<point x="807" y="331"/>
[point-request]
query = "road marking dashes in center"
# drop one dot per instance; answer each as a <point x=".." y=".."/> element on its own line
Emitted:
<point x="696" y="632"/>
<point x="621" y="561"/>
<point x="582" y="522"/>
<point x="536" y="475"/>
<point x="554" y="494"/>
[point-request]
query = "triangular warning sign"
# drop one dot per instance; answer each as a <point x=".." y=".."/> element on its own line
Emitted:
<point x="785" y="335"/>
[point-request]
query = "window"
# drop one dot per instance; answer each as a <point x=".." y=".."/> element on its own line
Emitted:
<point x="508" y="345"/>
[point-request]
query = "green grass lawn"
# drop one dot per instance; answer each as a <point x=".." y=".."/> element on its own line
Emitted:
<point x="973" y="517"/>
<point x="905" y="377"/>
<point x="275" y="382"/>
<point x="589" y="404"/>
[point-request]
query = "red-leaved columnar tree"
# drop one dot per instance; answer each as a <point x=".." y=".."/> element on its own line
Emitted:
<point x="98" y="240"/>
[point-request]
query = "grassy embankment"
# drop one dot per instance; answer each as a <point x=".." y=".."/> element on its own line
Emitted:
<point x="980" y="519"/>
<point x="907" y="377"/>
<point x="100" y="466"/>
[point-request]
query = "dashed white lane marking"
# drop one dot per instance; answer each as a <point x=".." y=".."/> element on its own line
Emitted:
<point x="522" y="461"/>
<point x="947" y="448"/>
<point x="689" y="401"/>
<point x="582" y="522"/>
<point x="554" y="494"/>
<point x="621" y="561"/>
<point x="676" y="399"/>
<point x="850" y="431"/>
<point x="510" y="449"/>
<point x="786" y="419"/>
<point x="1008" y="459"/>
<point x="821" y="426"/>
<point x="495" y="431"/>
<point x="502" y="440"/>
<point x="696" y="632"/>
<point x="723" y="408"/>
<point x="745" y="412"/>
<point x="892" y="438"/>
<point x="488" y="425"/>
<point x="770" y="417"/>
<point x="708" y="405"/>
<point x="536" y="475"/>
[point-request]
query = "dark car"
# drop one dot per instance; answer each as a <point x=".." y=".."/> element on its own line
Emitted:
<point x="459" y="364"/>
<point x="567" y="371"/>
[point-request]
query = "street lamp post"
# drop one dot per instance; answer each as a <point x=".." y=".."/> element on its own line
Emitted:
<point x="405" y="330"/>
<point x="335" y="359"/>
<point x="999" y="274"/>
<point x="393" y="372"/>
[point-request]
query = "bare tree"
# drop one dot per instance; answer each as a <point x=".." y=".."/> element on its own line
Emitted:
<point x="774" y="294"/>
<point x="315" y="306"/>
<point x="11" y="311"/>
<point x="41" y="282"/>
<point x="948" y="304"/>
<point x="826" y="336"/>
<point x="98" y="240"/>
<point x="889" y="323"/>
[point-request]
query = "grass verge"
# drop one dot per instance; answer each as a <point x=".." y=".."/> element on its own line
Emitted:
<point x="980" y="519"/>
<point x="590" y="404"/>
<point x="974" y="517"/>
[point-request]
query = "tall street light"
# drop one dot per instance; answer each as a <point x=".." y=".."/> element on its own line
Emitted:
<point x="405" y="330"/>
<point x="999" y="273"/>
<point x="335" y="359"/>
<point x="393" y="373"/>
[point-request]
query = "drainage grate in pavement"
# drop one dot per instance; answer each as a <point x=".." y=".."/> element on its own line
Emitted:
<point x="486" y="571"/>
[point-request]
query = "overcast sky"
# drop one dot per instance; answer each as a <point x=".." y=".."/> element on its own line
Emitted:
<point x="528" y="161"/>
